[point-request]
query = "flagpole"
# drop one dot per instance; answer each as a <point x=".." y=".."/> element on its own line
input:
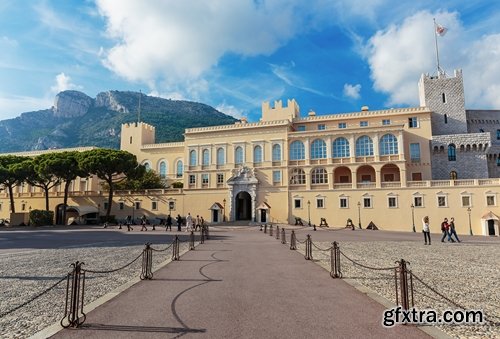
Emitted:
<point x="437" y="49"/>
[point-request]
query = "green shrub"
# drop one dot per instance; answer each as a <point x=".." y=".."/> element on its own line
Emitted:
<point x="41" y="218"/>
<point x="177" y="184"/>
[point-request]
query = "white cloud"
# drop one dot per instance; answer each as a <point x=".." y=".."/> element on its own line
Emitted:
<point x="352" y="91"/>
<point x="63" y="83"/>
<point x="173" y="42"/>
<point x="11" y="105"/>
<point x="399" y="54"/>
<point x="230" y="110"/>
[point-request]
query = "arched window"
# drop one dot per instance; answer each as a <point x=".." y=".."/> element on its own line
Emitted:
<point x="452" y="152"/>
<point x="257" y="154"/>
<point x="163" y="169"/>
<point x="297" y="150"/>
<point x="318" y="149"/>
<point x="147" y="165"/>
<point x="319" y="176"/>
<point x="388" y="144"/>
<point x="453" y="175"/>
<point x="297" y="177"/>
<point x="276" y="152"/>
<point x="238" y="155"/>
<point x="192" y="158"/>
<point x="364" y="146"/>
<point x="340" y="148"/>
<point x="220" y="156"/>
<point x="206" y="157"/>
<point x="180" y="169"/>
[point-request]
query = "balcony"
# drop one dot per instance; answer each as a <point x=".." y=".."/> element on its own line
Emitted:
<point x="390" y="184"/>
<point x="343" y="186"/>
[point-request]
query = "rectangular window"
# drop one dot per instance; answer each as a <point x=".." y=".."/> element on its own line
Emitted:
<point x="320" y="202"/>
<point x="386" y="122"/>
<point x="363" y="123"/>
<point x="343" y="203"/>
<point x="418" y="202"/>
<point x="192" y="179"/>
<point x="415" y="152"/>
<point x="297" y="203"/>
<point x="23" y="207"/>
<point x="105" y="206"/>
<point x="342" y="125"/>
<point x="367" y="202"/>
<point x="276" y="177"/>
<point x="204" y="179"/>
<point x="344" y="179"/>
<point x="121" y="206"/>
<point x="301" y="128"/>
<point x="498" y="134"/>
<point x="154" y="205"/>
<point x="137" y="205"/>
<point x="442" y="201"/>
<point x="466" y="201"/>
<point x="392" y="202"/>
<point x="366" y="178"/>
<point x="416" y="176"/>
<point x="220" y="178"/>
<point x="413" y="122"/>
<point x="490" y="200"/>
<point x="171" y="206"/>
<point x="321" y="127"/>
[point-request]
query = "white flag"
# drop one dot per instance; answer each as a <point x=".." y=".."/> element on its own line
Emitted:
<point x="440" y="30"/>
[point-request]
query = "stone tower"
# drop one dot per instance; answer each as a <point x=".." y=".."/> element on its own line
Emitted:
<point x="444" y="96"/>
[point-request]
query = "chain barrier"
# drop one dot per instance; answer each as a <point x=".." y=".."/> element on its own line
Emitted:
<point x="403" y="292"/>
<point x="308" y="254"/>
<point x="73" y="309"/>
<point x="277" y="232"/>
<point x="163" y="250"/>
<point x="283" y="236"/>
<point x="117" y="269"/>
<point x="3" y="314"/>
<point x="175" y="249"/>
<point x="147" y="263"/>
<point x="293" y="241"/>
<point x="368" y="267"/>
<point x="335" y="261"/>
<point x="270" y="230"/>
<point x="191" y="241"/>
<point x="321" y="249"/>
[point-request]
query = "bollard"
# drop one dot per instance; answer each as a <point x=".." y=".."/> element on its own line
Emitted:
<point x="175" y="248"/>
<point x="147" y="263"/>
<point x="207" y="232"/>
<point x="191" y="241"/>
<point x="293" y="241"/>
<point x="335" y="261"/>
<point x="270" y="230"/>
<point x="308" y="254"/>
<point x="277" y="232"/>
<point x="202" y="234"/>
<point x="265" y="228"/>
<point x="401" y="272"/>
<point x="73" y="311"/>
<point x="283" y="236"/>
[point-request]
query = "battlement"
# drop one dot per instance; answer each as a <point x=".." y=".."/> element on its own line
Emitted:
<point x="280" y="112"/>
<point x="136" y="134"/>
<point x="143" y="125"/>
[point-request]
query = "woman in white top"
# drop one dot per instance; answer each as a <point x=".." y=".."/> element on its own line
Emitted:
<point x="426" y="230"/>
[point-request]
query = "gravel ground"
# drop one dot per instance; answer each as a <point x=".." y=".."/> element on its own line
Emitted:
<point x="36" y="270"/>
<point x="467" y="274"/>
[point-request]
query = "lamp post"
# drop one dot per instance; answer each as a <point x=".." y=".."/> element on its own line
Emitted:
<point x="224" y="211"/>
<point x="413" y="216"/>
<point x="359" y="215"/>
<point x="309" y="212"/>
<point x="470" y="227"/>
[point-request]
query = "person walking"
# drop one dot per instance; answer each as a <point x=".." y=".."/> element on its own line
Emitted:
<point x="129" y="223"/>
<point x="179" y="222"/>
<point x="426" y="230"/>
<point x="198" y="223"/>
<point x="445" y="227"/>
<point x="143" y="223"/>
<point x="452" y="229"/>
<point x="189" y="222"/>
<point x="169" y="223"/>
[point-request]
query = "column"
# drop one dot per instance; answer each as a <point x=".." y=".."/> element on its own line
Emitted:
<point x="376" y="150"/>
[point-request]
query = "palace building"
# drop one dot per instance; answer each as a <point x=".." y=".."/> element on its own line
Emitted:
<point x="390" y="167"/>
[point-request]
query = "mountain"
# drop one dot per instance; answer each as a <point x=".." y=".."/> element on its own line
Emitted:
<point x="79" y="120"/>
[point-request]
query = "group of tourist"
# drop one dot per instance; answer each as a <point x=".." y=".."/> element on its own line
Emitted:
<point x="191" y="223"/>
<point x="447" y="228"/>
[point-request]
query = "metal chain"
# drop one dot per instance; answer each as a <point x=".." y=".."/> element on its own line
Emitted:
<point x="300" y="242"/>
<point x="368" y="267"/>
<point x="111" y="271"/>
<point x="163" y="250"/>
<point x="321" y="249"/>
<point x="3" y="314"/>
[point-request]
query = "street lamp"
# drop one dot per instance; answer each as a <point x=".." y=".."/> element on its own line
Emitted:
<point x="359" y="215"/>
<point x="224" y="211"/>
<point x="309" y="212"/>
<point x="413" y="217"/>
<point x="470" y="227"/>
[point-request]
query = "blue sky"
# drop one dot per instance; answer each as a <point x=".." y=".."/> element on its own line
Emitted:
<point x="331" y="56"/>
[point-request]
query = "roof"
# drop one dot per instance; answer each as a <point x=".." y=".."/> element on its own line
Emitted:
<point x="490" y="215"/>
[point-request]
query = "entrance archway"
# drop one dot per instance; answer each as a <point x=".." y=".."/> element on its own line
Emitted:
<point x="243" y="204"/>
